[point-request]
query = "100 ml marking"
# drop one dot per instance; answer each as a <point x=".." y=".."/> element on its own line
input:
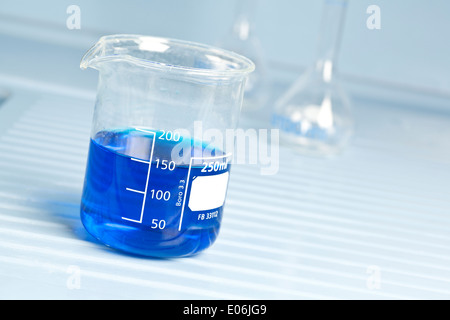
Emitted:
<point x="148" y="177"/>
<point x="162" y="165"/>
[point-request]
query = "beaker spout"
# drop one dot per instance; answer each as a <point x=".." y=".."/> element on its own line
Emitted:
<point x="91" y="56"/>
<point x="110" y="49"/>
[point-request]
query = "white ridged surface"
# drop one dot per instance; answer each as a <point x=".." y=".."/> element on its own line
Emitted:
<point x="315" y="230"/>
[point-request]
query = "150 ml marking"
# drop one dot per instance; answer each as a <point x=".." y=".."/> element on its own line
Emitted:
<point x="149" y="163"/>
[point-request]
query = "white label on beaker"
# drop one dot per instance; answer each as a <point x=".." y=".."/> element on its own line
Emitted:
<point x="208" y="192"/>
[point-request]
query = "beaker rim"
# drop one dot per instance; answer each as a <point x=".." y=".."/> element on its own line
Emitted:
<point x="222" y="62"/>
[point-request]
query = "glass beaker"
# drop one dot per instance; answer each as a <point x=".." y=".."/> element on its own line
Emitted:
<point x="158" y="167"/>
<point x="314" y="115"/>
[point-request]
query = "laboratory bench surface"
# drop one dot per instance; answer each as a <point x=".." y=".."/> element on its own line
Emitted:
<point x="370" y="223"/>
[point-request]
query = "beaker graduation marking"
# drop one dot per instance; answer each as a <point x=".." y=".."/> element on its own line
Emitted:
<point x="148" y="176"/>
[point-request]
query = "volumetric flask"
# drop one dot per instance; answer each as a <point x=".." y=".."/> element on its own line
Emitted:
<point x="314" y="115"/>
<point x="158" y="165"/>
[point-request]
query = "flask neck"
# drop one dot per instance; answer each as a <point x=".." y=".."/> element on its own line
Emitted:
<point x="244" y="18"/>
<point x="333" y="18"/>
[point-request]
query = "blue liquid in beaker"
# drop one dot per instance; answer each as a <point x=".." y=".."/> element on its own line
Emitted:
<point x="135" y="197"/>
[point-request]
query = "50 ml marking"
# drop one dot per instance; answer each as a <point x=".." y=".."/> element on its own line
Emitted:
<point x="148" y="177"/>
